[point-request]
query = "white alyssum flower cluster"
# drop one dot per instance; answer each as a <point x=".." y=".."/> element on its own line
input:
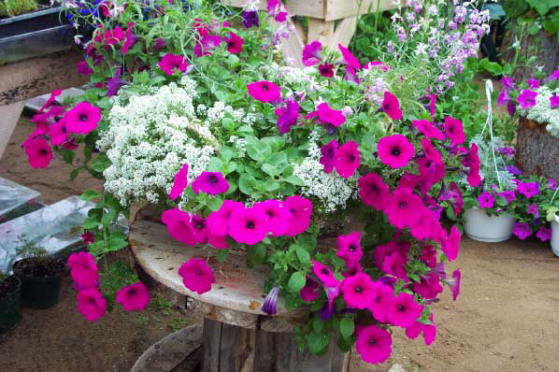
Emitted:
<point x="150" y="137"/>
<point x="542" y="111"/>
<point x="215" y="114"/>
<point x="330" y="189"/>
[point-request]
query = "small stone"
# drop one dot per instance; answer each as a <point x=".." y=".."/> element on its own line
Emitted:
<point x="396" y="368"/>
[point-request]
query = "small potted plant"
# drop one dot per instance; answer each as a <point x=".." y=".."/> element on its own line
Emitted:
<point x="40" y="275"/>
<point x="551" y="207"/>
<point x="10" y="291"/>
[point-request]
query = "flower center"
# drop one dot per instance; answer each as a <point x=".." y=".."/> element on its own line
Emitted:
<point x="352" y="248"/>
<point x="396" y="151"/>
<point x="402" y="205"/>
<point x="83" y="117"/>
<point x="43" y="152"/>
<point x="265" y="87"/>
<point x="401" y="308"/>
<point x="358" y="289"/>
<point x="212" y="179"/>
<point x="325" y="271"/>
<point x="250" y="225"/>
<point x="132" y="291"/>
<point x="372" y="342"/>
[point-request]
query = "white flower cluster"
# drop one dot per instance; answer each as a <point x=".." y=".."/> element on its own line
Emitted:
<point x="294" y="75"/>
<point x="542" y="111"/>
<point x="149" y="138"/>
<point x="330" y="189"/>
<point x="220" y="110"/>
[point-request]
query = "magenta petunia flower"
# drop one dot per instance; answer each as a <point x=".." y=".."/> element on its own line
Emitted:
<point x="395" y="264"/>
<point x="428" y="227"/>
<point x="311" y="53"/>
<point x="404" y="208"/>
<point x="527" y="99"/>
<point x="454" y="196"/>
<point x="279" y="218"/>
<point x="552" y="183"/>
<point x="327" y="115"/>
<point x="471" y="161"/>
<point x="376" y="64"/>
<point x="373" y="191"/>
<point x="88" y="238"/>
<point x="115" y="83"/>
<point x="349" y="59"/>
<point x="218" y="221"/>
<point x="528" y="189"/>
<point x="134" y="297"/>
<point x="391" y="106"/>
<point x="329" y="155"/>
<point x="554" y="101"/>
<point x="454" y="284"/>
<point x="83" y="68"/>
<point x="179" y="183"/>
<point x="429" y="286"/>
<point x="349" y="248"/>
<point x="129" y="39"/>
<point x="179" y="226"/>
<point x="39" y="153"/>
<point x="533" y="210"/>
<point x="288" y="115"/>
<point x="83" y="270"/>
<point x="373" y="344"/>
<point x="544" y="234"/>
<point x="91" y="304"/>
<point x="450" y="243"/>
<point x="207" y="44"/>
<point x="197" y="276"/>
<point x="380" y="299"/>
<point x="301" y="212"/>
<point x="326" y="70"/>
<point x="429" y="151"/>
<point x="82" y="118"/>
<point x="212" y="183"/>
<point x="486" y="200"/>
<point x="82" y="260"/>
<point x="554" y="75"/>
<point x="428" y="129"/>
<point x="58" y="133"/>
<point x="533" y="83"/>
<point x="521" y="230"/>
<point x="403" y="311"/>
<point x="310" y="291"/>
<point x="199" y="229"/>
<point x="357" y="291"/>
<point x="508" y="195"/>
<point x="234" y="43"/>
<point x="248" y="225"/>
<point x="454" y="130"/>
<point x="264" y="91"/>
<point x="324" y="274"/>
<point x="507" y="82"/>
<point x="429" y="331"/>
<point x="171" y="63"/>
<point x="348" y="159"/>
<point x="395" y="151"/>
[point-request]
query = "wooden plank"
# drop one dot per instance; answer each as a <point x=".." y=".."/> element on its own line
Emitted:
<point x="236" y="346"/>
<point x="9" y="116"/>
<point x="292" y="47"/>
<point x="320" y="30"/>
<point x="33" y="77"/>
<point x="537" y="150"/>
<point x="338" y="9"/>
<point x="212" y="341"/>
<point x="307" y="8"/>
<point x="344" y="32"/>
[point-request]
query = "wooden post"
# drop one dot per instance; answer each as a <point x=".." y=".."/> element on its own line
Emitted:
<point x="9" y="115"/>
<point x="537" y="150"/>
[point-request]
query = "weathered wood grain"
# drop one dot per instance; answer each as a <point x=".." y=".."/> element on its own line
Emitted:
<point x="9" y="115"/>
<point x="307" y="8"/>
<point x="537" y="150"/>
<point x="339" y="9"/>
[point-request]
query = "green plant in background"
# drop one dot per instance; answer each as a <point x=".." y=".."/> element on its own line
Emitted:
<point x="29" y="249"/>
<point x="534" y="15"/>
<point x="11" y="8"/>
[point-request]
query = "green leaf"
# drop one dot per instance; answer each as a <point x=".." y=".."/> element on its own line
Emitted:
<point x="90" y="195"/>
<point x="294" y="180"/>
<point x="543" y="6"/>
<point x="90" y="223"/>
<point x="247" y="184"/>
<point x="347" y="326"/>
<point x="116" y="243"/>
<point x="296" y="281"/>
<point x="109" y="217"/>
<point x="258" y="150"/>
<point x="317" y="342"/>
<point x="100" y="163"/>
<point x="303" y="255"/>
<point x="74" y="173"/>
<point x="214" y="204"/>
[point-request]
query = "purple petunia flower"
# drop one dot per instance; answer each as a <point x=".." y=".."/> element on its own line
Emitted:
<point x="544" y="234"/>
<point x="527" y="99"/>
<point x="507" y="151"/>
<point x="513" y="170"/>
<point x="270" y="305"/>
<point x="521" y="230"/>
<point x="250" y="18"/>
<point x="486" y="200"/>
<point x="528" y="189"/>
<point x="115" y="83"/>
<point x="533" y="210"/>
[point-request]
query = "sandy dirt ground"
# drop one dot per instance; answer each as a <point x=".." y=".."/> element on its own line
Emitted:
<point x="506" y="318"/>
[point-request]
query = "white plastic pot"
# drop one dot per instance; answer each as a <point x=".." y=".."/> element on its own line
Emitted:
<point x="484" y="228"/>
<point x="555" y="236"/>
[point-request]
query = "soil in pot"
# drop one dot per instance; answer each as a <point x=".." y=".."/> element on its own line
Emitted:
<point x="40" y="281"/>
<point x="10" y="293"/>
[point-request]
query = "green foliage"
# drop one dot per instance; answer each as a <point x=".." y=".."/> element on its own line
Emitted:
<point x="116" y="275"/>
<point x="11" y="8"/>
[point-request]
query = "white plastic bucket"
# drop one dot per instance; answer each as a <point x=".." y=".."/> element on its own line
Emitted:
<point x="484" y="228"/>
<point x="555" y="236"/>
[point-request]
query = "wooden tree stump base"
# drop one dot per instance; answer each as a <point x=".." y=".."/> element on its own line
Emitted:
<point x="537" y="150"/>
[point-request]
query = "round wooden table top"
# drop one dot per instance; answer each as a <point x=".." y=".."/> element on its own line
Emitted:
<point x="237" y="287"/>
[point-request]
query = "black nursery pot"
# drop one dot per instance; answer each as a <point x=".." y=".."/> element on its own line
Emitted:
<point x="40" y="281"/>
<point x="10" y="293"/>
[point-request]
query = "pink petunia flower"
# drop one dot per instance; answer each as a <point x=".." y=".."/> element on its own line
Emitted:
<point x="310" y="291"/>
<point x="373" y="191"/>
<point x="129" y="39"/>
<point x="544" y="234"/>
<point x="533" y="83"/>
<point x="429" y="286"/>
<point x="234" y="43"/>
<point x="429" y="151"/>
<point x="428" y="129"/>
<point x="248" y="225"/>
<point x="348" y="159"/>
<point x="395" y="264"/>
<point x="380" y="299"/>
<point x="521" y="230"/>
<point x="196" y="275"/>
<point x="171" y="63"/>
<point x="429" y="331"/>
<point x="454" y="283"/>
<point x="82" y="260"/>
<point x="179" y="226"/>
<point x="357" y="291"/>
<point x="349" y="59"/>
<point x="450" y="243"/>
<point x="311" y="53"/>
<point x="391" y="106"/>
<point x="39" y="153"/>
<point x="218" y="221"/>
<point x="395" y="151"/>
<point x="326" y="70"/>
<point x="212" y="183"/>
<point x="179" y="183"/>
<point x="403" y="311"/>
<point x="528" y="189"/>
<point x="471" y="161"/>
<point x="91" y="304"/>
<point x="279" y="218"/>
<point x="301" y="212"/>
<point x="373" y="344"/>
<point x="134" y="297"/>
<point x="428" y="227"/>
<point x="454" y="130"/>
<point x="486" y="200"/>
<point x="404" y="208"/>
<point x="329" y="155"/>
<point x="83" y="68"/>
<point x="349" y="248"/>
<point x="327" y="115"/>
<point x="508" y="195"/>
<point x="264" y="91"/>
<point x="199" y="229"/>
<point x="207" y="44"/>
<point x="58" y="133"/>
<point x="527" y="99"/>
<point x="82" y="118"/>
<point x="554" y="101"/>
<point x="533" y="210"/>
<point x="324" y="274"/>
